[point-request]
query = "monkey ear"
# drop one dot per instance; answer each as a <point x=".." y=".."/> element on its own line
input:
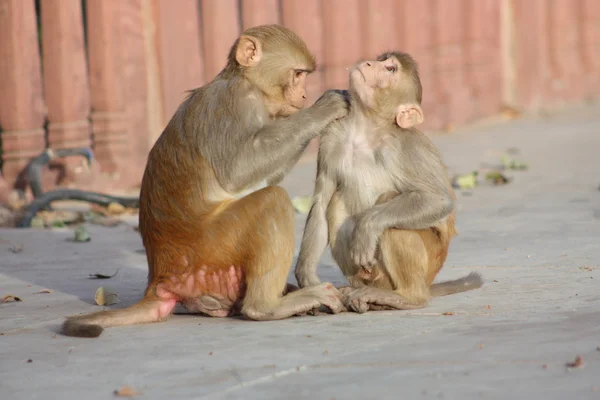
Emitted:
<point x="249" y="51"/>
<point x="409" y="115"/>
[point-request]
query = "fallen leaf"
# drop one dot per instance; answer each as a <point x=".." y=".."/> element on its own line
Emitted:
<point x="496" y="177"/>
<point x="102" y="276"/>
<point x="510" y="113"/>
<point x="302" y="204"/>
<point x="81" y="234"/>
<point x="598" y="348"/>
<point x="578" y="363"/>
<point x="495" y="280"/>
<point x="126" y="391"/>
<point x="325" y="352"/>
<point x="53" y="336"/>
<point x="58" y="224"/>
<point x="210" y="354"/>
<point x="544" y="366"/>
<point x="106" y="221"/>
<point x="480" y="345"/>
<point x="43" y="291"/>
<point x="449" y="128"/>
<point x="16" y="248"/>
<point x="489" y="307"/>
<point x="106" y="296"/>
<point x="513" y="164"/>
<point x="10" y="298"/>
<point x="37" y="222"/>
<point x="448" y="313"/>
<point x="115" y="209"/>
<point x="30" y="360"/>
<point x="467" y="181"/>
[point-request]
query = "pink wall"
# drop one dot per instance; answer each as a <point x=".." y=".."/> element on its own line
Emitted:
<point x="475" y="56"/>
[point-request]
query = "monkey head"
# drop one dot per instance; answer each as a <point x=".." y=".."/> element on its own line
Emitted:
<point x="277" y="62"/>
<point x="389" y="88"/>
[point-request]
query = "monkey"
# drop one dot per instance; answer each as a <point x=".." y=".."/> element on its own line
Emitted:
<point x="217" y="230"/>
<point x="382" y="199"/>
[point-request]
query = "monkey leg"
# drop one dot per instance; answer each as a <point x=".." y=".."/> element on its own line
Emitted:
<point x="268" y="263"/>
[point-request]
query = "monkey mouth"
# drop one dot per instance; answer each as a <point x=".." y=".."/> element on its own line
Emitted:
<point x="361" y="73"/>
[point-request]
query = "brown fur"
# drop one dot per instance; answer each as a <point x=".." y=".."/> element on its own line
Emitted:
<point x="383" y="201"/>
<point x="217" y="240"/>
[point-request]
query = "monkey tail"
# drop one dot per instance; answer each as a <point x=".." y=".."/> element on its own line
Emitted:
<point x="92" y="325"/>
<point x="466" y="283"/>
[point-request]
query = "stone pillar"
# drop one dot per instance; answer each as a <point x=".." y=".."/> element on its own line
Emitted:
<point x="179" y="51"/>
<point x="220" y="28"/>
<point x="66" y="82"/>
<point x="379" y="26"/>
<point x="109" y="124"/>
<point x="342" y="40"/>
<point x="22" y="110"/>
<point x="305" y="18"/>
<point x="259" y="12"/>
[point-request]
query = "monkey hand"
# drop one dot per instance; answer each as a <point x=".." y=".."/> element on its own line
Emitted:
<point x="335" y="103"/>
<point x="363" y="248"/>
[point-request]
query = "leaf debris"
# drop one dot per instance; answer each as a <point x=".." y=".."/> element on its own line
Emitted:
<point x="105" y="296"/>
<point x="578" y="363"/>
<point x="103" y="276"/>
<point x="10" y="298"/>
<point x="126" y="391"/>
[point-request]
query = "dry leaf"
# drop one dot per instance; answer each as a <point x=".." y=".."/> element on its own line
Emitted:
<point x="325" y="352"/>
<point x="81" y="234"/>
<point x="10" y="298"/>
<point x="126" y="391"/>
<point x="302" y="204"/>
<point x="16" y="248"/>
<point x="45" y="291"/>
<point x="488" y="307"/>
<point x="448" y="313"/>
<point x="495" y="280"/>
<point x="508" y="112"/>
<point x="106" y="221"/>
<point x="115" y="209"/>
<point x="105" y="296"/>
<point x="102" y="276"/>
<point x="578" y="363"/>
<point x="480" y="345"/>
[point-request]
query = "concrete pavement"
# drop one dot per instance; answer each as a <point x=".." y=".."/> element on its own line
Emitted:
<point x="536" y="241"/>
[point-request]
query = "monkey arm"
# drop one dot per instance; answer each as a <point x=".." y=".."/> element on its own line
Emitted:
<point x="271" y="148"/>
<point x="314" y="240"/>
<point x="416" y="209"/>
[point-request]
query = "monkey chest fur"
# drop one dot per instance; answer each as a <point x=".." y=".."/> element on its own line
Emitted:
<point x="358" y="160"/>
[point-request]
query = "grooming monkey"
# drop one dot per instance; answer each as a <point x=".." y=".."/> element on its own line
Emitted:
<point x="382" y="198"/>
<point x="217" y="241"/>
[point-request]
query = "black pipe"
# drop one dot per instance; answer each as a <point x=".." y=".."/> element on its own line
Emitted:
<point x="45" y="199"/>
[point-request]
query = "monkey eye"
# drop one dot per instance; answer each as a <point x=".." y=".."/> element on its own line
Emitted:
<point x="391" y="68"/>
<point x="299" y="73"/>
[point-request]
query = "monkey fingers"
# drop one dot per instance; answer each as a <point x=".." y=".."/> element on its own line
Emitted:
<point x="364" y="247"/>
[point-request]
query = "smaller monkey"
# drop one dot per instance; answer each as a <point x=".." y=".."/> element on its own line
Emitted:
<point x="382" y="197"/>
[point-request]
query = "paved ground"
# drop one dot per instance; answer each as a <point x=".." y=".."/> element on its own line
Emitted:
<point x="536" y="241"/>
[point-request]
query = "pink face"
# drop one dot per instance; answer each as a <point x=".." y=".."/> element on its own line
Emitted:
<point x="367" y="76"/>
<point x="295" y="92"/>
